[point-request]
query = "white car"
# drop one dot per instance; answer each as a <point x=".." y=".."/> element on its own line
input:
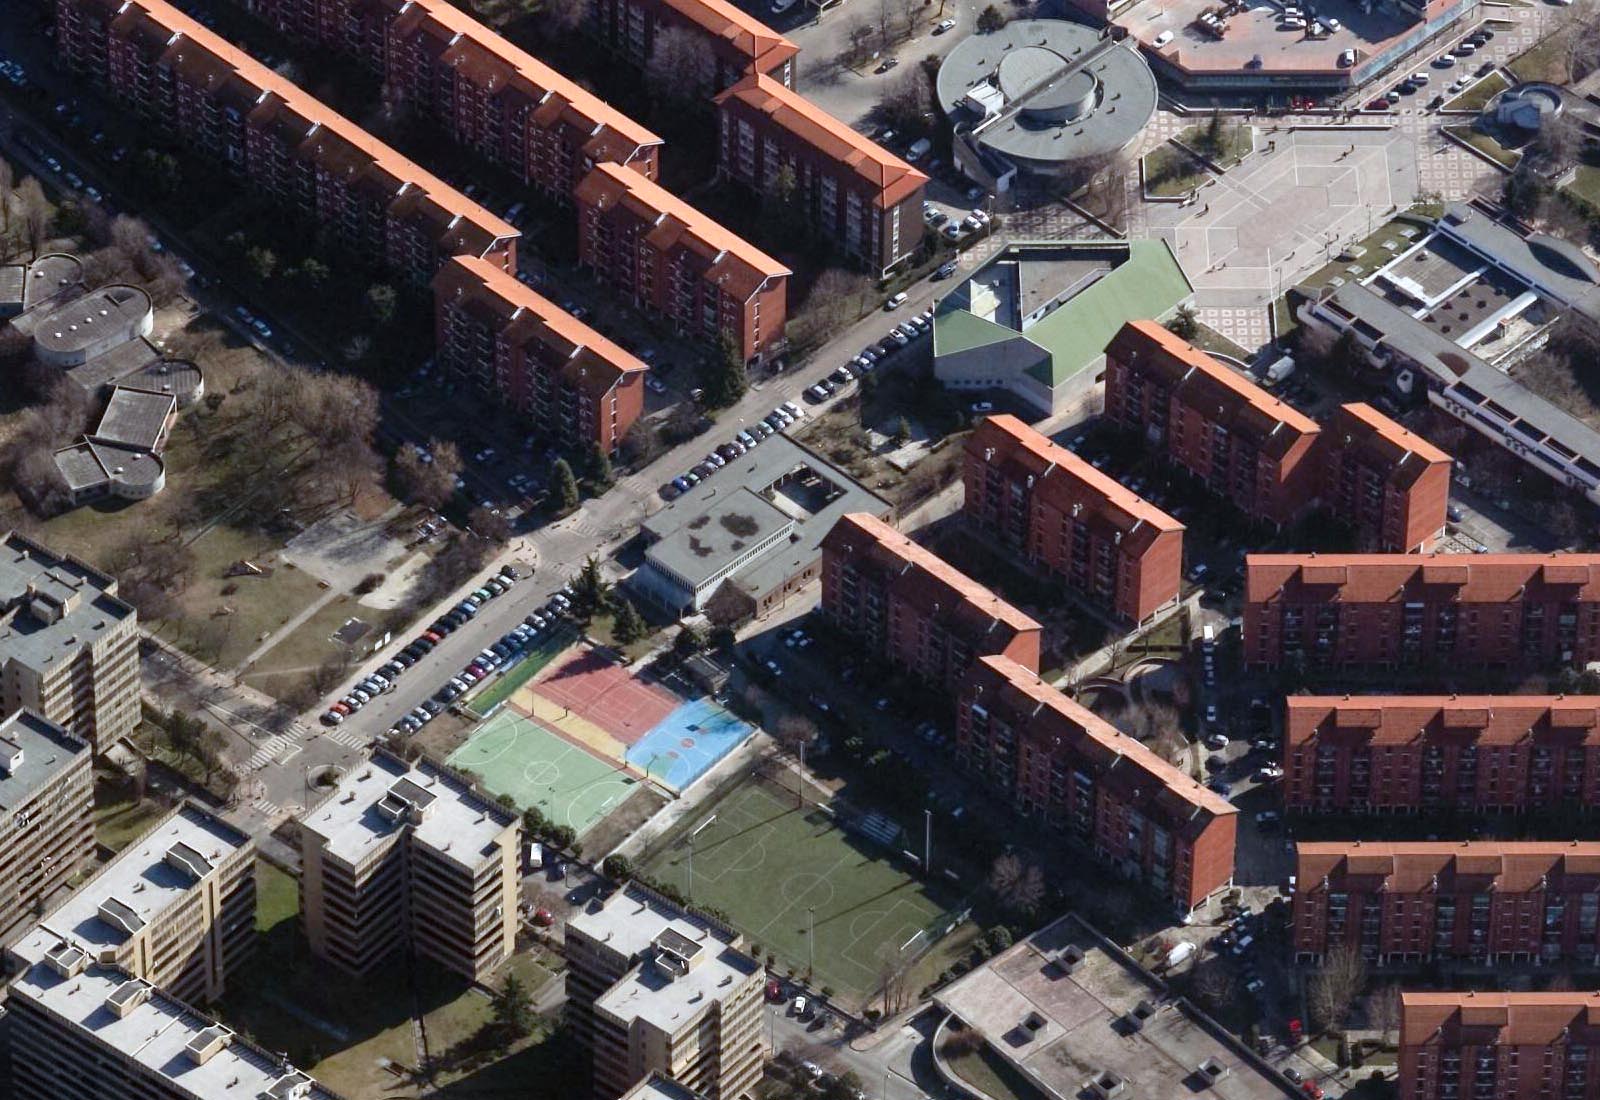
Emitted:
<point x="895" y="301"/>
<point x="944" y="25"/>
<point x="1162" y="39"/>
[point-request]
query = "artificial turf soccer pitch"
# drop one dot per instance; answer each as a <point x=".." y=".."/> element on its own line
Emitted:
<point x="774" y="868"/>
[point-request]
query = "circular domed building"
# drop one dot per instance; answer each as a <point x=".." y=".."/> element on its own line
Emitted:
<point x="1039" y="96"/>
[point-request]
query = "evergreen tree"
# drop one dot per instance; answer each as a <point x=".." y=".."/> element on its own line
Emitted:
<point x="513" y="1007"/>
<point x="629" y="625"/>
<point x="600" y="466"/>
<point x="727" y="382"/>
<point x="566" y="484"/>
<point x="589" y="587"/>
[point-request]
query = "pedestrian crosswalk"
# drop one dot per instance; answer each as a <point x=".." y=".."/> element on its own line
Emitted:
<point x="275" y="748"/>
<point x="346" y="738"/>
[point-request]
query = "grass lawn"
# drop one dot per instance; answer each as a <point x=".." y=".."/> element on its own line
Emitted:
<point x="1585" y="186"/>
<point x="780" y="872"/>
<point x="1475" y="97"/>
<point x="1169" y="171"/>
<point x="1209" y="339"/>
<point x="1485" y="145"/>
<point x="1546" y="60"/>
<point x="119" y="824"/>
<point x="277" y="897"/>
<point x="286" y="665"/>
<point x="600" y="629"/>
<point x="503" y="686"/>
<point x="256" y="606"/>
<point x="1235" y="141"/>
<point x="990" y="1074"/>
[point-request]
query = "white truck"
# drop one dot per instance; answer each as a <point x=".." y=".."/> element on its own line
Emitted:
<point x="1180" y="954"/>
<point x="535" y="855"/>
<point x="1280" y="370"/>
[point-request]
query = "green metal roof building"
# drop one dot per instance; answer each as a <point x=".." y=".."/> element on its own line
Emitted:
<point x="1036" y="319"/>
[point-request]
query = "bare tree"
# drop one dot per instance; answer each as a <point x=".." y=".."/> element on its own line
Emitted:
<point x="1017" y="887"/>
<point x="1214" y="985"/>
<point x="1383" y="1010"/>
<point x="490" y="523"/>
<point x="1336" y="985"/>
<point x="681" y="68"/>
<point x="859" y="34"/>
<point x="911" y="14"/>
<point x="565" y="15"/>
<point x="883" y="23"/>
<point x="836" y="299"/>
<point x="794" y="731"/>
<point x="33" y="213"/>
<point x="892" y="968"/>
<point x="907" y="101"/>
<point x="431" y="483"/>
<point x="6" y="179"/>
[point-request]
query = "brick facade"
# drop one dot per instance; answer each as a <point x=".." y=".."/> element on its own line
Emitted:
<point x="669" y="258"/>
<point x="850" y="189"/>
<point x="1411" y="610"/>
<point x="1420" y="753"/>
<point x="906" y="605"/>
<point x="500" y="101"/>
<point x="1411" y="902"/>
<point x="190" y="85"/>
<point x="1388" y="483"/>
<point x="1499" y="1046"/>
<point x="734" y="43"/>
<point x="1049" y="507"/>
<point x="1081" y="778"/>
<point x="524" y="351"/>
<point x="1228" y="433"/>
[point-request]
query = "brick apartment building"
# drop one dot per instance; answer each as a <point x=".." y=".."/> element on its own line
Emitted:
<point x="1244" y="444"/>
<point x="189" y="84"/>
<point x="1421" y="753"/>
<point x="1402" y="610"/>
<point x="1389" y="483"/>
<point x="671" y="259"/>
<point x="910" y="607"/>
<point x="1411" y="902"/>
<point x="1044" y="504"/>
<point x="1080" y="777"/>
<point x="500" y="101"/>
<point x="1499" y="1046"/>
<point x="524" y="351"/>
<point x="735" y="43"/>
<point x="851" y="190"/>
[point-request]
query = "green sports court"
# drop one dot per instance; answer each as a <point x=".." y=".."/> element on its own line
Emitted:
<point x="774" y="868"/>
<point x="517" y="756"/>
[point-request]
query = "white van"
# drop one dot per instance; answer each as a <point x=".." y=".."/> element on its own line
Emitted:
<point x="535" y="855"/>
<point x="919" y="149"/>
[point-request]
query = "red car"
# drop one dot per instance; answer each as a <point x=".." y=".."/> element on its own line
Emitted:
<point x="341" y="708"/>
<point x="433" y="636"/>
<point x="774" y="990"/>
<point x="1379" y="104"/>
<point x="1311" y="1089"/>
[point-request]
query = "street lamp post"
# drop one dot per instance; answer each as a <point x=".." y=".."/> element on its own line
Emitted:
<point x="811" y="941"/>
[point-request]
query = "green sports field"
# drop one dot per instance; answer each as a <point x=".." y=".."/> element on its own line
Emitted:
<point x="773" y="868"/>
<point x="502" y="687"/>
<point x="517" y="756"/>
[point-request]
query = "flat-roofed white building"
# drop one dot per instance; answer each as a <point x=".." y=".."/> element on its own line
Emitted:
<point x="85" y="1031"/>
<point x="405" y="855"/>
<point x="658" y="990"/>
<point x="176" y="908"/>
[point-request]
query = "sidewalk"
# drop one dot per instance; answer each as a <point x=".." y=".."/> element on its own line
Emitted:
<point x="328" y="596"/>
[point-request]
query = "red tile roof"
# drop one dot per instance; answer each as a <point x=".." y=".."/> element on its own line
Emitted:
<point x="1093" y="736"/>
<point x="734" y="263"/>
<point x="1360" y="427"/>
<point x="489" y="59"/>
<point x="923" y="578"/>
<point x="327" y="134"/>
<point x="1523" y="1019"/>
<point x="1400" y="719"/>
<point x="892" y="178"/>
<point x="590" y="361"/>
<point x="1388" y="578"/>
<point x="1008" y="444"/>
<point x="747" y="35"/>
<point x="1411" y="866"/>
<point x="1222" y="393"/>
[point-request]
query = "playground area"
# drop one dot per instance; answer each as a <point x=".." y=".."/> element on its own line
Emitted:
<point x="581" y="737"/>
<point x="518" y="757"/>
<point x="783" y="873"/>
